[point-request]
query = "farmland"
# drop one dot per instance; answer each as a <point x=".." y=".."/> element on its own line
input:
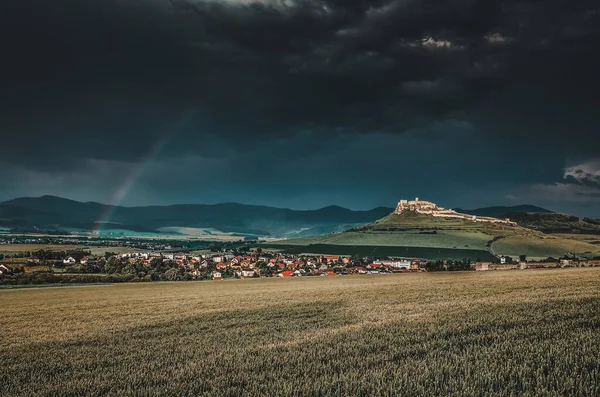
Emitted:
<point x="541" y="247"/>
<point x="431" y="253"/>
<point x="417" y="235"/>
<point x="474" y="333"/>
<point x="9" y="249"/>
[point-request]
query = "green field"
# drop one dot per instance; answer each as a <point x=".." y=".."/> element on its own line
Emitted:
<point x="11" y="249"/>
<point x="543" y="247"/>
<point x="429" y="237"/>
<point x="531" y="333"/>
<point x="432" y="253"/>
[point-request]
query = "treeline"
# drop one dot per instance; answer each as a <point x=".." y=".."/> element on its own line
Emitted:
<point x="440" y="266"/>
<point x="57" y="278"/>
<point x="51" y="255"/>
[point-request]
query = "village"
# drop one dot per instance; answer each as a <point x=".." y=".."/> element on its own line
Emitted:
<point x="173" y="266"/>
<point x="157" y="266"/>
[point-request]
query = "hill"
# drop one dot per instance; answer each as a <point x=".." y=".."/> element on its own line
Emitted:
<point x="556" y="223"/>
<point x="540" y="219"/>
<point x="412" y="234"/>
<point x="503" y="211"/>
<point x="52" y="213"/>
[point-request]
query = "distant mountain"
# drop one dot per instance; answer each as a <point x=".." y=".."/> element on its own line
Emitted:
<point x="501" y="211"/>
<point x="50" y="212"/>
<point x="56" y="213"/>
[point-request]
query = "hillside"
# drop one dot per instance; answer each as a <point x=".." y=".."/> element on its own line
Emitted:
<point x="426" y="236"/>
<point x="540" y="219"/>
<point x="503" y="211"/>
<point x="556" y="223"/>
<point x="49" y="212"/>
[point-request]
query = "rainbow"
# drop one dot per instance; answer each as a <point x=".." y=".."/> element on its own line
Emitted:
<point x="138" y="169"/>
<point x="124" y="188"/>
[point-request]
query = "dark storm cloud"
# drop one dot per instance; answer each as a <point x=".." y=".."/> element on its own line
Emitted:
<point x="479" y="99"/>
<point x="586" y="174"/>
<point x="109" y="79"/>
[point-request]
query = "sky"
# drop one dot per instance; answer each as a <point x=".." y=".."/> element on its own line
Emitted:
<point x="302" y="103"/>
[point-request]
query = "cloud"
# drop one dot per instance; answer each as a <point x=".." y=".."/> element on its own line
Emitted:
<point x="224" y="80"/>
<point x="587" y="173"/>
<point x="579" y="187"/>
<point x="497" y="39"/>
<point x="432" y="43"/>
<point x="566" y="192"/>
<point x="439" y="89"/>
<point x="258" y="68"/>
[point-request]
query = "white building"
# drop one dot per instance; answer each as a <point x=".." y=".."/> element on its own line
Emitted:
<point x="69" y="260"/>
<point x="397" y="264"/>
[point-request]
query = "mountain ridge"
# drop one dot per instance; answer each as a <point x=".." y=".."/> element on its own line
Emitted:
<point x="56" y="212"/>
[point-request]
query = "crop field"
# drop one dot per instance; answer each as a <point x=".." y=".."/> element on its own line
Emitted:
<point x="10" y="249"/>
<point x="532" y="333"/>
<point x="587" y="238"/>
<point x="200" y="233"/>
<point x="432" y="253"/>
<point x="441" y="239"/>
<point x="549" y="245"/>
<point x="13" y="248"/>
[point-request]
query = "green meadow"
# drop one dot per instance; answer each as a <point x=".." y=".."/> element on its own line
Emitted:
<point x="424" y="236"/>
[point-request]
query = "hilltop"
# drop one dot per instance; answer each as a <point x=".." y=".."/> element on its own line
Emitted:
<point x="441" y="234"/>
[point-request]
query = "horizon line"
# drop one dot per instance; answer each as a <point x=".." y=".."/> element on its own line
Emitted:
<point x="244" y="204"/>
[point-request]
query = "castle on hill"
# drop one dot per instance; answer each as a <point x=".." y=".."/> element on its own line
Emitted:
<point x="429" y="208"/>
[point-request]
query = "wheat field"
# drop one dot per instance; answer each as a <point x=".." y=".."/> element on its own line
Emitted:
<point x="533" y="333"/>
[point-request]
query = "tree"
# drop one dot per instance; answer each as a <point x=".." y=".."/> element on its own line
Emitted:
<point x="172" y="274"/>
<point x="113" y="265"/>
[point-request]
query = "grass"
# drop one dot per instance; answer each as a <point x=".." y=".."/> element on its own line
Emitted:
<point x="200" y="233"/>
<point x="48" y="285"/>
<point x="11" y="249"/>
<point x="526" y="333"/>
<point x="433" y="253"/>
<point x="543" y="247"/>
<point x="442" y="239"/>
<point x="589" y="238"/>
<point x="446" y="236"/>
